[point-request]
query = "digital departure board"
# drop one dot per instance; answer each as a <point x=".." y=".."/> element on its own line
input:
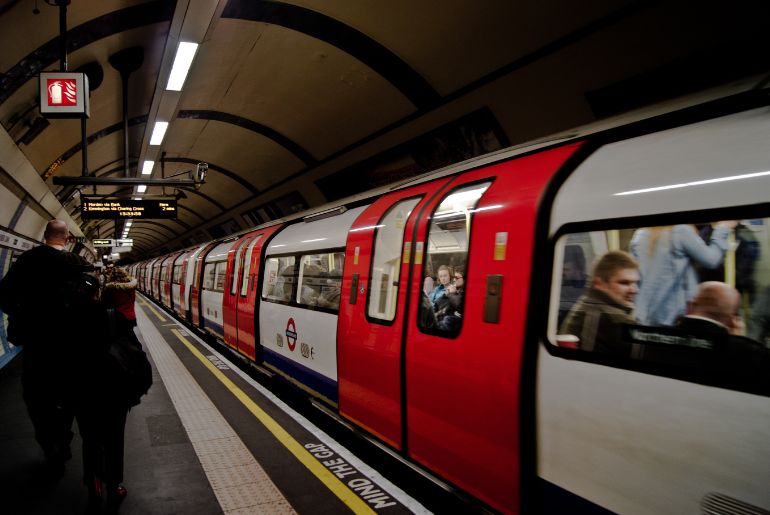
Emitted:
<point x="94" y="208"/>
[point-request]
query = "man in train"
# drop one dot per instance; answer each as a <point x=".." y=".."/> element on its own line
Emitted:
<point x="32" y="294"/>
<point x="735" y="360"/>
<point x="598" y="316"/>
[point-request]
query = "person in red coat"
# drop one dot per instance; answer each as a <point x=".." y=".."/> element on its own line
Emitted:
<point x="119" y="293"/>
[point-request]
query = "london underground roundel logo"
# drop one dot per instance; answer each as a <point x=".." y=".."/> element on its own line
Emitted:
<point x="291" y="334"/>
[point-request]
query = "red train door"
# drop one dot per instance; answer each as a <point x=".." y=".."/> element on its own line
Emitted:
<point x="463" y="367"/>
<point x="247" y="297"/>
<point x="230" y="295"/>
<point x="195" y="287"/>
<point x="370" y="327"/>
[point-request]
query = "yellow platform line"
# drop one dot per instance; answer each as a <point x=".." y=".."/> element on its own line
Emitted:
<point x="347" y="496"/>
<point x="154" y="311"/>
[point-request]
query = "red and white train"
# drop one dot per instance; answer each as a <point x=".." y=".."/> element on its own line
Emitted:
<point x="331" y="300"/>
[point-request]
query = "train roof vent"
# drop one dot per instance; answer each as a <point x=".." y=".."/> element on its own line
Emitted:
<point x="325" y="214"/>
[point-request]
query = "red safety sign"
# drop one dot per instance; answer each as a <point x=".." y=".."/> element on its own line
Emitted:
<point x="62" y="92"/>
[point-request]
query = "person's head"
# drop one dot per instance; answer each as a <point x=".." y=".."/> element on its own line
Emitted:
<point x="617" y="274"/>
<point x="443" y="275"/>
<point x="717" y="301"/>
<point x="459" y="278"/>
<point x="573" y="268"/>
<point x="56" y="233"/>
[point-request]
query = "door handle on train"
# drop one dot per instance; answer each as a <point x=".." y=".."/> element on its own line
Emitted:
<point x="354" y="289"/>
<point x="492" y="298"/>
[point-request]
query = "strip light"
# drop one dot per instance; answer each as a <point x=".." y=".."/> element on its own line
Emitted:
<point x="141" y="188"/>
<point x="694" y="183"/>
<point x="147" y="167"/>
<point x="158" y="132"/>
<point x="182" y="62"/>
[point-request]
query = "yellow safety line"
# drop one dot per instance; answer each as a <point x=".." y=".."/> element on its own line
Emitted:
<point x="347" y="496"/>
<point x="154" y="311"/>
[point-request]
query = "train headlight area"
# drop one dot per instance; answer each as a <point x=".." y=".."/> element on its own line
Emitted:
<point x="209" y="438"/>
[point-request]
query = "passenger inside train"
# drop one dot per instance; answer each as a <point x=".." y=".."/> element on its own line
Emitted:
<point x="674" y="343"/>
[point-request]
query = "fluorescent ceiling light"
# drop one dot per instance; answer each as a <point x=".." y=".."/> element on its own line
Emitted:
<point x="141" y="188"/>
<point x="694" y="183"/>
<point x="137" y="198"/>
<point x="128" y="224"/>
<point x="158" y="132"/>
<point x="184" y="56"/>
<point x="147" y="167"/>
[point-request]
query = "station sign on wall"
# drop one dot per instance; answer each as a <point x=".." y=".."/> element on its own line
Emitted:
<point x="97" y="208"/>
<point x="64" y="95"/>
<point x="104" y="243"/>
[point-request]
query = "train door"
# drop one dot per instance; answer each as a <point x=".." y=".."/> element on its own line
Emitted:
<point x="372" y="311"/>
<point x="248" y="298"/>
<point x="188" y="276"/>
<point x="195" y="285"/>
<point x="232" y="286"/>
<point x="464" y="339"/>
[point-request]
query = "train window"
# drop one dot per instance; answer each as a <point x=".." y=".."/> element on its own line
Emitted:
<point x="247" y="265"/>
<point x="320" y="279"/>
<point x="386" y="261"/>
<point x="445" y="261"/>
<point x="689" y="301"/>
<point x="177" y="274"/>
<point x="279" y="278"/>
<point x="209" y="273"/>
<point x="236" y="269"/>
<point x="219" y="282"/>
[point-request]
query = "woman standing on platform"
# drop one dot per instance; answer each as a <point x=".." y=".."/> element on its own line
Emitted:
<point x="100" y="412"/>
<point x="119" y="293"/>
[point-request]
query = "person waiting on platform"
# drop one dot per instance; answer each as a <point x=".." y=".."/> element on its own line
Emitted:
<point x="599" y="314"/>
<point x="33" y="294"/>
<point x="119" y="293"/>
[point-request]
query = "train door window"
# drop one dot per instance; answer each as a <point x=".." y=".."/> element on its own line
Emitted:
<point x="177" y="274"/>
<point x="237" y="266"/>
<point x="219" y="282"/>
<point x="445" y="261"/>
<point x="320" y="278"/>
<point x="247" y="265"/>
<point x="690" y="301"/>
<point x="386" y="261"/>
<point x="279" y="278"/>
<point x="209" y="275"/>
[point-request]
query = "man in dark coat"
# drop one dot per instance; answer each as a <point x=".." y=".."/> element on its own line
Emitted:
<point x="597" y="317"/>
<point x="33" y="294"/>
<point x="735" y="361"/>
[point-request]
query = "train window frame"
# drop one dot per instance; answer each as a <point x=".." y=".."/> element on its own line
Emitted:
<point x="304" y="260"/>
<point x="371" y="318"/>
<point x="220" y="275"/>
<point x="295" y="279"/>
<point x="177" y="273"/>
<point x="247" y="264"/>
<point x="450" y="335"/>
<point x="550" y="301"/>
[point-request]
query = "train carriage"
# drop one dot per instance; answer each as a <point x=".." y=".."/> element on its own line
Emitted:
<point x="498" y="403"/>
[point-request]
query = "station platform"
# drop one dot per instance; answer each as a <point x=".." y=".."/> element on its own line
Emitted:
<point x="207" y="438"/>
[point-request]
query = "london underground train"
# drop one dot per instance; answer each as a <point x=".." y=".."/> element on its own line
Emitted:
<point x="498" y="403"/>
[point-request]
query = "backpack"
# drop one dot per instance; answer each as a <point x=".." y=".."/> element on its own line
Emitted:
<point x="133" y="372"/>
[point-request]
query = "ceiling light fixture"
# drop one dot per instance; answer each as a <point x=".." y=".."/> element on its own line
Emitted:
<point x="158" y="132"/>
<point x="182" y="62"/>
<point x="141" y="188"/>
<point x="147" y="167"/>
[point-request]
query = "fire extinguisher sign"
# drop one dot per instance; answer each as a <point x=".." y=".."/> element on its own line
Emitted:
<point x="64" y="95"/>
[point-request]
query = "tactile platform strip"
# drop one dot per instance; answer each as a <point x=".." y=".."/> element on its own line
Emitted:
<point x="239" y="483"/>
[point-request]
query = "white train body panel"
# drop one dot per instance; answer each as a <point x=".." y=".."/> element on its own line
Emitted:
<point x="310" y="357"/>
<point x="635" y="442"/>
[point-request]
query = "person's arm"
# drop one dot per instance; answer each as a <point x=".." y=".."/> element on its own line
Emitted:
<point x="710" y="255"/>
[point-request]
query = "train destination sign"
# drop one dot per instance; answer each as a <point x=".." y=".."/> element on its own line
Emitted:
<point x="94" y="208"/>
<point x="104" y="243"/>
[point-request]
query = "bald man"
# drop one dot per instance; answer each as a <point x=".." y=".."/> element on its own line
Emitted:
<point x="715" y="308"/>
<point x="735" y="361"/>
<point x="31" y="294"/>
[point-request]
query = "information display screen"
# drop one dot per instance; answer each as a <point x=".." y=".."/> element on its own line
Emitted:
<point x="112" y="209"/>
